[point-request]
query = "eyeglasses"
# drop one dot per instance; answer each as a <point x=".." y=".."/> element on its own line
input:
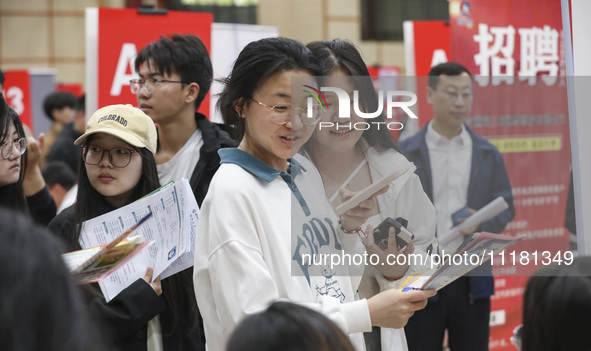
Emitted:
<point x="6" y="148"/>
<point x="454" y="95"/>
<point x="282" y="113"/>
<point x="119" y="157"/>
<point x="516" y="338"/>
<point x="150" y="84"/>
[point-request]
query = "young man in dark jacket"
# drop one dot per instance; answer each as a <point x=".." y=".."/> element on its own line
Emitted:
<point x="175" y="75"/>
<point x="460" y="172"/>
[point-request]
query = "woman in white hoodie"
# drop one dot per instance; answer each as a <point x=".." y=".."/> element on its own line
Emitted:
<point x="265" y="210"/>
<point x="351" y="153"/>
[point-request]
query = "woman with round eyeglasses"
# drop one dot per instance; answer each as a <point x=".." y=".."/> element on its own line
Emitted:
<point x="21" y="183"/>
<point x="265" y="210"/>
<point x="12" y="150"/>
<point x="118" y="167"/>
<point x="13" y="146"/>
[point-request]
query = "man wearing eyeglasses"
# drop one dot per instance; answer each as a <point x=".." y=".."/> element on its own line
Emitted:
<point x="175" y="74"/>
<point x="461" y="172"/>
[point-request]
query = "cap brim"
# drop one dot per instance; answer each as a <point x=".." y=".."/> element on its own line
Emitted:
<point x="123" y="135"/>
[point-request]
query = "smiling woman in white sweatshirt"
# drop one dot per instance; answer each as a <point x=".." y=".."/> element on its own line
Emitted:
<point x="265" y="209"/>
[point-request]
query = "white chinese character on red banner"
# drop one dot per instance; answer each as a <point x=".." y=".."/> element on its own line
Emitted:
<point x="493" y="58"/>
<point x="539" y="53"/>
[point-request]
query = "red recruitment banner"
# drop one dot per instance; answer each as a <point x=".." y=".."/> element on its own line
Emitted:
<point x="17" y="92"/>
<point x="520" y="106"/>
<point x="427" y="42"/>
<point x="122" y="33"/>
<point x="506" y="311"/>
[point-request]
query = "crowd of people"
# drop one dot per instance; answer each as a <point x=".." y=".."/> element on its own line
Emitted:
<point x="267" y="182"/>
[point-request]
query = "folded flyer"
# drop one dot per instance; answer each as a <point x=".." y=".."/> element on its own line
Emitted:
<point x="476" y="250"/>
<point x="95" y="264"/>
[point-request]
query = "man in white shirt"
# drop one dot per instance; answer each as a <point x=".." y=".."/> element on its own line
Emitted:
<point x="461" y="172"/>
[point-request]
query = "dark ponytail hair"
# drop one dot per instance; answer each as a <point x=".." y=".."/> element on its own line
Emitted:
<point x="557" y="308"/>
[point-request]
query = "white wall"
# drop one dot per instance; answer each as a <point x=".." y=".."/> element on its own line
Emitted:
<point x="227" y="40"/>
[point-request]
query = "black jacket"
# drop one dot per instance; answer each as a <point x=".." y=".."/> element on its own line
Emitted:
<point x="64" y="149"/>
<point x="42" y="206"/>
<point x="214" y="138"/>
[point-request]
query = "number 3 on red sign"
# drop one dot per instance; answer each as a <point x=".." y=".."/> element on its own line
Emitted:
<point x="14" y="97"/>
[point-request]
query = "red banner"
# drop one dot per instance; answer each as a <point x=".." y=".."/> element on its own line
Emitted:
<point x="75" y="89"/>
<point x="122" y="33"/>
<point x="428" y="42"/>
<point x="520" y="105"/>
<point x="17" y="92"/>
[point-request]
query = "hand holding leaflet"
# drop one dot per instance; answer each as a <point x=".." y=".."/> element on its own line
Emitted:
<point x="108" y="263"/>
<point x="492" y="209"/>
<point x="169" y="226"/>
<point x="371" y="189"/>
<point x="172" y="228"/>
<point x="476" y="250"/>
<point x="102" y="250"/>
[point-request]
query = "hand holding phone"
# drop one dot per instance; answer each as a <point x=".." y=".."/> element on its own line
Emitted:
<point x="381" y="233"/>
<point x="404" y="246"/>
<point x="462" y="213"/>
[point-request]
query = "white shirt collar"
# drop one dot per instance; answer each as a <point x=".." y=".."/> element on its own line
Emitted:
<point x="436" y="139"/>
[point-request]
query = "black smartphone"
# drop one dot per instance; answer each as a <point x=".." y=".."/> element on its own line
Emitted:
<point x="381" y="233"/>
<point x="461" y="213"/>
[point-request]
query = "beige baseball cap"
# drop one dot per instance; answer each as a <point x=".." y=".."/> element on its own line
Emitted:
<point x="125" y="122"/>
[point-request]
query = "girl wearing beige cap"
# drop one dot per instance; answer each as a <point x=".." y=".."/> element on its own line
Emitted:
<point x="118" y="167"/>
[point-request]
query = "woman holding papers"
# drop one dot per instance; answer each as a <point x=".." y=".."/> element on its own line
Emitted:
<point x="265" y="213"/>
<point x="349" y="155"/>
<point x="118" y="167"/>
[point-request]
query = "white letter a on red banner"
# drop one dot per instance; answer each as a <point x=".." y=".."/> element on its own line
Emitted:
<point x="126" y="60"/>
